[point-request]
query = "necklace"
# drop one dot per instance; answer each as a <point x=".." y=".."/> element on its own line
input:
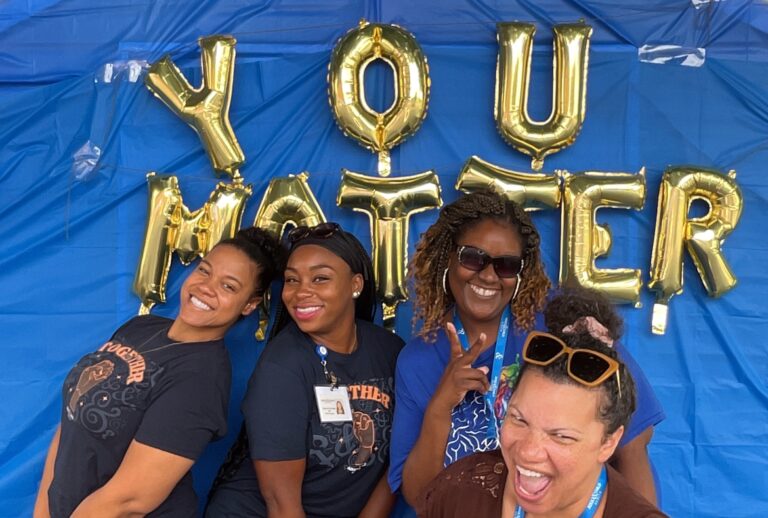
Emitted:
<point x="159" y="348"/>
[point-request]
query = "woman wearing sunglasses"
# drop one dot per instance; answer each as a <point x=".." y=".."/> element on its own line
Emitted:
<point x="480" y="284"/>
<point x="139" y="410"/>
<point x="318" y="410"/>
<point x="566" y="416"/>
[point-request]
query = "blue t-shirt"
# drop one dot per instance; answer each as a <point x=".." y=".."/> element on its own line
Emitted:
<point x="419" y="369"/>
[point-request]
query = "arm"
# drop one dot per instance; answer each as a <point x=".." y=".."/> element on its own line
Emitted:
<point x="41" y="504"/>
<point x="144" y="480"/>
<point x="280" y="485"/>
<point x="425" y="460"/>
<point x="380" y="502"/>
<point x="631" y="460"/>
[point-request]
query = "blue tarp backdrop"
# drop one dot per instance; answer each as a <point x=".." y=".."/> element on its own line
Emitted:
<point x="671" y="82"/>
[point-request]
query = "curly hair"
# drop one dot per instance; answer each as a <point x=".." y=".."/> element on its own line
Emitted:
<point x="618" y="393"/>
<point x="572" y="303"/>
<point x="439" y="241"/>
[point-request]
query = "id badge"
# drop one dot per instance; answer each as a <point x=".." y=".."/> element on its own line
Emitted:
<point x="333" y="403"/>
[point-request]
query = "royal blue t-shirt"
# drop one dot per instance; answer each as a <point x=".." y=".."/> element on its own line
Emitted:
<point x="419" y="369"/>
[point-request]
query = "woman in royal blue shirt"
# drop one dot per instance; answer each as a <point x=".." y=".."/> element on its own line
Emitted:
<point x="479" y="280"/>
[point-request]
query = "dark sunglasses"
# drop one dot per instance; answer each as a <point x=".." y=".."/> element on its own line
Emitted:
<point x="590" y="368"/>
<point x="321" y="231"/>
<point x="477" y="260"/>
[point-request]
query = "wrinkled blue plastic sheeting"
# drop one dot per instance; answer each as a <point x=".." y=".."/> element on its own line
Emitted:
<point x="79" y="132"/>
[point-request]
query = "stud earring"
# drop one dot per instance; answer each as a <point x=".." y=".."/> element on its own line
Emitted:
<point x="355" y="294"/>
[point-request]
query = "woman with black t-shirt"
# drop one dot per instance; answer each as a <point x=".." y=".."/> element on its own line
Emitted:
<point x="140" y="409"/>
<point x="318" y="410"/>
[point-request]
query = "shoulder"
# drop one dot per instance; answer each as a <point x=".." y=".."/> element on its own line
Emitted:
<point x="383" y="339"/>
<point x="473" y="484"/>
<point x="288" y="357"/>
<point x="625" y="502"/>
<point x="143" y="323"/>
<point x="488" y="464"/>
<point x="288" y="346"/>
<point x="418" y="352"/>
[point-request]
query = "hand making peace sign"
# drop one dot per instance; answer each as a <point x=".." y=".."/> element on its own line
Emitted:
<point x="459" y="376"/>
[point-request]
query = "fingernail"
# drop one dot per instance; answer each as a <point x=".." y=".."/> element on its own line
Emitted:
<point x="484" y="369"/>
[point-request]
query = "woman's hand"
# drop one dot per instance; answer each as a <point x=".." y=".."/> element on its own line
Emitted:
<point x="425" y="460"/>
<point x="459" y="376"/>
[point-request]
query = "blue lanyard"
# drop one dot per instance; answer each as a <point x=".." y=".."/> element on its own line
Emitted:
<point x="594" y="500"/>
<point x="330" y="377"/>
<point x="498" y="360"/>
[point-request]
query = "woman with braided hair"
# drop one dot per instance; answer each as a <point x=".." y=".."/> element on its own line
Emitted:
<point x="480" y="286"/>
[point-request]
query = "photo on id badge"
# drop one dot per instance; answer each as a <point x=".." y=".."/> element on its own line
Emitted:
<point x="333" y="403"/>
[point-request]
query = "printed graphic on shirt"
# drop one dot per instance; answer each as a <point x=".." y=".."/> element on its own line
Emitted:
<point x="106" y="383"/>
<point x="506" y="382"/>
<point x="360" y="443"/>
<point x="89" y="378"/>
<point x="469" y="420"/>
<point x="469" y="426"/>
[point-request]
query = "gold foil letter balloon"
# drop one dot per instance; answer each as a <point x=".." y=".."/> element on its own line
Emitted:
<point x="531" y="190"/>
<point x="288" y="201"/>
<point x="703" y="236"/>
<point x="569" y="89"/>
<point x="378" y="132"/>
<point x="389" y="202"/>
<point x="172" y="227"/>
<point x="583" y="240"/>
<point x="206" y="108"/>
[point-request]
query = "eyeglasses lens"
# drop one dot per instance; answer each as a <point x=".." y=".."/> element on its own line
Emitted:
<point x="543" y="348"/>
<point x="474" y="259"/>
<point x="507" y="266"/>
<point x="587" y="366"/>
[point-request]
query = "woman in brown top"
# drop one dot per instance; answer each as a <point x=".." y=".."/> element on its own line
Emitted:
<point x="564" y="421"/>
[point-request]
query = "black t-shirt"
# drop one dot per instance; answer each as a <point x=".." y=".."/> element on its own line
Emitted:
<point x="139" y="385"/>
<point x="345" y="460"/>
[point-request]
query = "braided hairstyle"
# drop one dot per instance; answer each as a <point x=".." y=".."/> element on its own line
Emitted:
<point x="439" y="241"/>
<point x="264" y="250"/>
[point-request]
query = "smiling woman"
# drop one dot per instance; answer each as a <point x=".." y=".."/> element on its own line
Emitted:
<point x="140" y="409"/>
<point x="569" y="409"/>
<point x="480" y="286"/>
<point x="318" y="410"/>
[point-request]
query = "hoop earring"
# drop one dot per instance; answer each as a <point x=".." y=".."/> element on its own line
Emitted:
<point x="445" y="276"/>
<point x="517" y="288"/>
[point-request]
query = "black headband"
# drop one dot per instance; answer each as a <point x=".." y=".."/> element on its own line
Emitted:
<point x="342" y="244"/>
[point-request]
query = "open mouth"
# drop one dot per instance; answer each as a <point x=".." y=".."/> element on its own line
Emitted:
<point x="530" y="485"/>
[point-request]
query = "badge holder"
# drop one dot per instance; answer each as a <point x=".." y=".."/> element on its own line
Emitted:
<point x="332" y="399"/>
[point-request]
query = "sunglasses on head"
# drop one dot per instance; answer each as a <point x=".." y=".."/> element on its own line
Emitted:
<point x="321" y="231"/>
<point x="588" y="367"/>
<point x="477" y="260"/>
